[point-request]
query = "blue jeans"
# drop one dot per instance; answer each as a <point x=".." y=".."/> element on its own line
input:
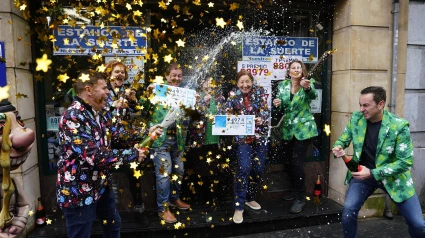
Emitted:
<point x="357" y="194"/>
<point x="79" y="221"/>
<point x="168" y="163"/>
<point x="249" y="166"/>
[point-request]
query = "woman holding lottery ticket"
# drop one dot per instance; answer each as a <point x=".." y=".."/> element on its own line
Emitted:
<point x="248" y="99"/>
<point x="293" y="99"/>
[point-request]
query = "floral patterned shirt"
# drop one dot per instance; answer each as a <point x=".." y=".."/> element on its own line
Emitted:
<point x="84" y="166"/>
<point x="394" y="152"/>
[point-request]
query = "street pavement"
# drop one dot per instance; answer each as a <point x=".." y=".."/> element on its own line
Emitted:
<point x="371" y="227"/>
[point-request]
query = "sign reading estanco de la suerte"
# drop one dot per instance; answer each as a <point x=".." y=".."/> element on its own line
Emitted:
<point x="254" y="47"/>
<point x="106" y="41"/>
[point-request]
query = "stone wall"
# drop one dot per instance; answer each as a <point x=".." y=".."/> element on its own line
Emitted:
<point x="414" y="107"/>
<point x="362" y="35"/>
<point x="15" y="32"/>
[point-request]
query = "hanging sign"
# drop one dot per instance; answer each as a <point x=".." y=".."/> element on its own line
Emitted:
<point x="265" y="46"/>
<point x="106" y="41"/>
<point x="3" y="81"/>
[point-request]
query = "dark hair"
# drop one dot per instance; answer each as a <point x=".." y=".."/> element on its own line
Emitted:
<point x="173" y="66"/>
<point x="379" y="93"/>
<point x="110" y="67"/>
<point x="94" y="76"/>
<point x="242" y="73"/>
<point x="304" y="69"/>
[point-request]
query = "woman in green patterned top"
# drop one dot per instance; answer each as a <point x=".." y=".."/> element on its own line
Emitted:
<point x="293" y="99"/>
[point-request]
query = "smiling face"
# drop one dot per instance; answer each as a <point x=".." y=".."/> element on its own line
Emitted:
<point x="245" y="84"/>
<point x="295" y="70"/>
<point x="22" y="139"/>
<point x="98" y="94"/>
<point x="118" y="76"/>
<point x="371" y="110"/>
<point x="174" y="78"/>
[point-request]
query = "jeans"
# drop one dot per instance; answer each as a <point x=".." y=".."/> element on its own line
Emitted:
<point x="168" y="163"/>
<point x="357" y="194"/>
<point x="295" y="152"/>
<point x="249" y="167"/>
<point x="79" y="221"/>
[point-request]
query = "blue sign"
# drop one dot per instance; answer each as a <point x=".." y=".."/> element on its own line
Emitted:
<point x="107" y="41"/>
<point x="3" y="81"/>
<point x="265" y="46"/>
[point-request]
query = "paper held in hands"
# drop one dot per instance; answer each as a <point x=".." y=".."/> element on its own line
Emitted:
<point x="174" y="96"/>
<point x="229" y="125"/>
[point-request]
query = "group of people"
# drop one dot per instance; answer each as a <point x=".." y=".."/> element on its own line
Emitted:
<point x="93" y="139"/>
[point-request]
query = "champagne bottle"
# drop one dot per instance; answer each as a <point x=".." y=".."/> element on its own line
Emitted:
<point x="40" y="215"/>
<point x="317" y="190"/>
<point x="147" y="142"/>
<point x="352" y="165"/>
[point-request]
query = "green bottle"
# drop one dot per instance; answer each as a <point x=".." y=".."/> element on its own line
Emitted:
<point x="147" y="142"/>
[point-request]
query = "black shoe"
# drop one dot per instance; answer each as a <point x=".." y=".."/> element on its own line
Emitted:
<point x="288" y="196"/>
<point x="388" y="215"/>
<point x="297" y="207"/>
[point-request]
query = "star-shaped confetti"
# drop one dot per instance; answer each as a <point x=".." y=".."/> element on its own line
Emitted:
<point x="43" y="63"/>
<point x="63" y="77"/>
<point x="4" y="92"/>
<point x="30" y="213"/>
<point x="133" y="165"/>
<point x="327" y="129"/>
<point x="101" y="68"/>
<point x="84" y="77"/>
<point x="168" y="58"/>
<point x="48" y="222"/>
<point x="137" y="174"/>
<point x="220" y="22"/>
<point x="22" y="7"/>
<point x="180" y="43"/>
<point x="240" y="25"/>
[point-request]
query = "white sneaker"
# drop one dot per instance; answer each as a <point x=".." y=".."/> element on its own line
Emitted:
<point x="253" y="205"/>
<point x="238" y="216"/>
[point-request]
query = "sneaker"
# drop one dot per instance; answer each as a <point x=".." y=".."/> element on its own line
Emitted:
<point x="179" y="204"/>
<point x="167" y="216"/>
<point x="238" y="216"/>
<point x="297" y="207"/>
<point x="253" y="205"/>
<point x="289" y="196"/>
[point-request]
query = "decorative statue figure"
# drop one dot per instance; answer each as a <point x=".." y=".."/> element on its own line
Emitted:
<point x="16" y="142"/>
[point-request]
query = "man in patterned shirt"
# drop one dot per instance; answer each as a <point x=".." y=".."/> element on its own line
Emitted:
<point x="84" y="167"/>
<point x="383" y="148"/>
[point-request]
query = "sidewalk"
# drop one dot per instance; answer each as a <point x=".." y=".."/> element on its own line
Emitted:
<point x="372" y="227"/>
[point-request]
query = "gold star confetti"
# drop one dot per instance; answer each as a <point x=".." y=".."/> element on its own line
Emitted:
<point x="137" y="174"/>
<point x="133" y="165"/>
<point x="103" y="176"/>
<point x="327" y="129"/>
<point x="105" y="222"/>
<point x="63" y="77"/>
<point x="21" y="95"/>
<point x="177" y="225"/>
<point x="237" y="203"/>
<point x="101" y="68"/>
<point x="31" y="212"/>
<point x="220" y="22"/>
<point x="48" y="221"/>
<point x="265" y="187"/>
<point x="240" y="25"/>
<point x="22" y="7"/>
<point x="210" y="4"/>
<point x="158" y="80"/>
<point x="168" y="58"/>
<point x="162" y="5"/>
<point x="180" y="43"/>
<point x="234" y="6"/>
<point x="162" y="222"/>
<point x="137" y="13"/>
<point x="4" y="92"/>
<point x="307" y="198"/>
<point x="84" y="77"/>
<point x="43" y="63"/>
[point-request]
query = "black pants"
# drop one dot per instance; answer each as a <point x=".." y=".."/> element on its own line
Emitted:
<point x="294" y="152"/>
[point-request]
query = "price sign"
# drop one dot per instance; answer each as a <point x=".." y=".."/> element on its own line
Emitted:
<point x="233" y="125"/>
<point x="53" y="123"/>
